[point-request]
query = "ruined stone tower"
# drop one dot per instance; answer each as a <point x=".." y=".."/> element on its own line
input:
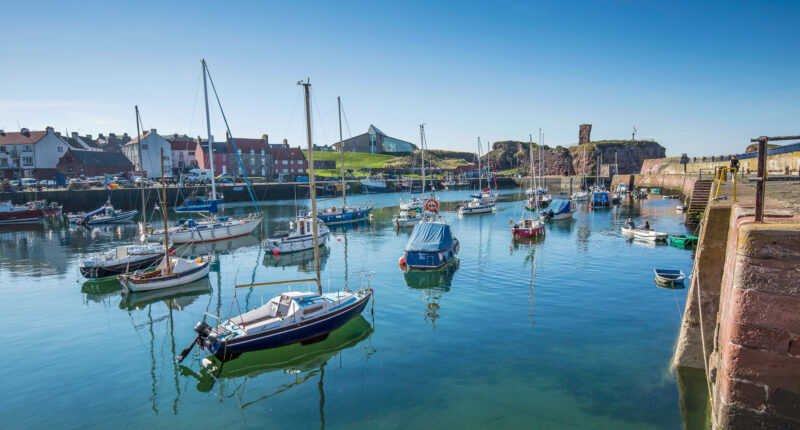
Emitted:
<point x="584" y="134"/>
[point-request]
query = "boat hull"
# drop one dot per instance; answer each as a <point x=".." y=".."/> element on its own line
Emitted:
<point x="294" y="244"/>
<point x="527" y="232"/>
<point x="345" y="216"/>
<point x="19" y="217"/>
<point x="207" y="233"/>
<point x="303" y="331"/>
<point x="124" y="216"/>
<point x="172" y="281"/>
<point x="97" y="272"/>
<point x="406" y="222"/>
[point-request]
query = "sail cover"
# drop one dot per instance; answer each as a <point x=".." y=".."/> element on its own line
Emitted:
<point x="558" y="206"/>
<point x="430" y="237"/>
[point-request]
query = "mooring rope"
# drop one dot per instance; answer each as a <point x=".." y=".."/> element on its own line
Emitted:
<point x="703" y="340"/>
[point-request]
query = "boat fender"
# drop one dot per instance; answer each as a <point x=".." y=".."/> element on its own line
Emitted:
<point x="275" y="252"/>
<point x="198" y="260"/>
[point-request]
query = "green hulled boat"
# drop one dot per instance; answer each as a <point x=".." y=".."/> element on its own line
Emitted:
<point x="683" y="241"/>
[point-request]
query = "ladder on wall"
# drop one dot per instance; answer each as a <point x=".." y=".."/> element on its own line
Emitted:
<point x="699" y="199"/>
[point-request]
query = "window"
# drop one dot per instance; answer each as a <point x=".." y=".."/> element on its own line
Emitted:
<point x="27" y="161"/>
<point x="285" y="170"/>
<point x="69" y="169"/>
<point x="223" y="158"/>
<point x="285" y="161"/>
<point x="27" y="148"/>
<point x="60" y="148"/>
<point x="3" y="162"/>
<point x="276" y="161"/>
<point x="191" y="153"/>
<point x="252" y="151"/>
<point x="262" y="151"/>
<point x="144" y="146"/>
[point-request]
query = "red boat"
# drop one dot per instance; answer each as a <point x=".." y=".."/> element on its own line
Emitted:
<point x="527" y="228"/>
<point x="48" y="209"/>
<point x="10" y="214"/>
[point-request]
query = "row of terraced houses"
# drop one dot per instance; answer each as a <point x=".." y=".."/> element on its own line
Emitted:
<point x="44" y="154"/>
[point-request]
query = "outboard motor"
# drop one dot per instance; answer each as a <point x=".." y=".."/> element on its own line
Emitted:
<point x="203" y="330"/>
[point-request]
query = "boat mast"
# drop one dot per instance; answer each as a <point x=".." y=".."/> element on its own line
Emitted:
<point x="530" y="155"/>
<point x="208" y="131"/>
<point x="479" y="164"/>
<point x="139" y="148"/>
<point x="164" y="210"/>
<point x="311" y="182"/>
<point x="488" y="168"/>
<point x="422" y="156"/>
<point x="341" y="146"/>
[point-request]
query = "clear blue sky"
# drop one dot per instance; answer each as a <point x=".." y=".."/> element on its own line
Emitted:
<point x="698" y="77"/>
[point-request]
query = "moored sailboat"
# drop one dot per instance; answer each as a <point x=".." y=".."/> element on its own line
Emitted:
<point x="290" y="317"/>
<point x="533" y="226"/>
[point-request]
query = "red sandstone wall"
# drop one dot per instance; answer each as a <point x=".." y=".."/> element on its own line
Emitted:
<point x="651" y="166"/>
<point x="757" y="359"/>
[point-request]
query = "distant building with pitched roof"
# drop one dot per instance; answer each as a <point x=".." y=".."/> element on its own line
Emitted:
<point x="30" y="154"/>
<point x="374" y="141"/>
<point x="93" y="163"/>
<point x="152" y="146"/>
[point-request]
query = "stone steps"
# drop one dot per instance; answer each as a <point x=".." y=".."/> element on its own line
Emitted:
<point x="699" y="199"/>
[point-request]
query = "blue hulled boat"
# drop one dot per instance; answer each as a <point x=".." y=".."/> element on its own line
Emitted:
<point x="431" y="245"/>
<point x="199" y="205"/>
<point x="599" y="200"/>
<point x="336" y="215"/>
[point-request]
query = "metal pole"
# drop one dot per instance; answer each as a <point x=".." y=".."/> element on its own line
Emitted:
<point x="341" y="146"/>
<point x="141" y="184"/>
<point x="761" y="173"/>
<point x="210" y="140"/>
<point x="311" y="182"/>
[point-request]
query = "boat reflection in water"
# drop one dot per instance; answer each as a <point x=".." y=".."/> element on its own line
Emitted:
<point x="304" y="260"/>
<point x="306" y="362"/>
<point x="433" y="284"/>
<point x="176" y="298"/>
<point x="100" y="290"/>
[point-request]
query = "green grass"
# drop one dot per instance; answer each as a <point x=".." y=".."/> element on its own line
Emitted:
<point x="511" y="172"/>
<point x="353" y="160"/>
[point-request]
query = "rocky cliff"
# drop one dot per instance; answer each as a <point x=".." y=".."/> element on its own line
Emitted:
<point x="630" y="155"/>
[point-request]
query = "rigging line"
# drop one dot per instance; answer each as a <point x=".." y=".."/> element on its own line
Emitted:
<point x="190" y="101"/>
<point x="291" y="116"/>
<point x="194" y="105"/>
<point x="344" y="114"/>
<point x="319" y="116"/>
<point x="235" y="148"/>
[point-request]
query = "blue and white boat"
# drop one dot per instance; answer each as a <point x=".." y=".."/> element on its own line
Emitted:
<point x="290" y="317"/>
<point x="599" y="200"/>
<point x="344" y="214"/>
<point x="559" y="209"/>
<point x="431" y="245"/>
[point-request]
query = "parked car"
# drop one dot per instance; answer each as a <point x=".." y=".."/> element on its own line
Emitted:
<point x="47" y="183"/>
<point x="27" y="183"/>
<point x="138" y="181"/>
<point x="119" y="180"/>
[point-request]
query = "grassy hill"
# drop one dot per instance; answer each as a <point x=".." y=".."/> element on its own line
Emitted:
<point x="360" y="160"/>
<point x="353" y="160"/>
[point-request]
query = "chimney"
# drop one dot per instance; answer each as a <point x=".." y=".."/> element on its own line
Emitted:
<point x="2" y="132"/>
<point x="266" y="138"/>
<point x="89" y="137"/>
<point x="153" y="131"/>
<point x="49" y="130"/>
<point x="74" y="134"/>
<point x="25" y="131"/>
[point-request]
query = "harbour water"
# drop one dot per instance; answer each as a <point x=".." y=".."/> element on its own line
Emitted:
<point x="566" y="332"/>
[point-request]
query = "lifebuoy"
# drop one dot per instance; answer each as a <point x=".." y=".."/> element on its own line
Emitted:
<point x="431" y="205"/>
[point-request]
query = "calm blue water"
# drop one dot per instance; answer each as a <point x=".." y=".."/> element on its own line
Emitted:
<point x="569" y="332"/>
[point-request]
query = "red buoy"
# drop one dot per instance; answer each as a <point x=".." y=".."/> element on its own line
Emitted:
<point x="275" y="252"/>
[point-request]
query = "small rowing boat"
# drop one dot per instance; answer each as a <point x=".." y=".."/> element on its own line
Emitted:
<point x="651" y="235"/>
<point x="669" y="277"/>
<point x="684" y="241"/>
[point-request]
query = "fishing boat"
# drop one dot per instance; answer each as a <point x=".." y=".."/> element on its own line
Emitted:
<point x="684" y="241"/>
<point x="373" y="186"/>
<point x="213" y="227"/>
<point x="170" y="272"/>
<point x="599" y="200"/>
<point x="669" y="277"/>
<point x="559" y="209"/>
<point x="18" y="214"/>
<point x="121" y="260"/>
<point x="533" y="226"/>
<point x="650" y="235"/>
<point x="476" y="206"/>
<point x="299" y="239"/>
<point x="108" y="215"/>
<point x="344" y="214"/>
<point x="48" y="209"/>
<point x="431" y="245"/>
<point x="290" y="317"/>
<point x="407" y="218"/>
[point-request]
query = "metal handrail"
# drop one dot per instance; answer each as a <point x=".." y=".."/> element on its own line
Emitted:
<point x="364" y="277"/>
<point x="718" y="181"/>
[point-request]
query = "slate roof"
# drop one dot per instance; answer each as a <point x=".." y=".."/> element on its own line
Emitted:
<point x="101" y="158"/>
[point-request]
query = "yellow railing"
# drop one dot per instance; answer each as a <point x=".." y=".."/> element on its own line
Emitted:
<point x="719" y="177"/>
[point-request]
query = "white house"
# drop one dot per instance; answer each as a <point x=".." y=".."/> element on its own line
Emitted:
<point x="30" y="154"/>
<point x="152" y="144"/>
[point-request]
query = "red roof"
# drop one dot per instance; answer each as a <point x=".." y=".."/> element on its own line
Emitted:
<point x="182" y="144"/>
<point x="17" y="138"/>
<point x="285" y="153"/>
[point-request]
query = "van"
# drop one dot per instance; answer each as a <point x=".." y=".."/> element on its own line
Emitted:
<point x="28" y="182"/>
<point x="199" y="176"/>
